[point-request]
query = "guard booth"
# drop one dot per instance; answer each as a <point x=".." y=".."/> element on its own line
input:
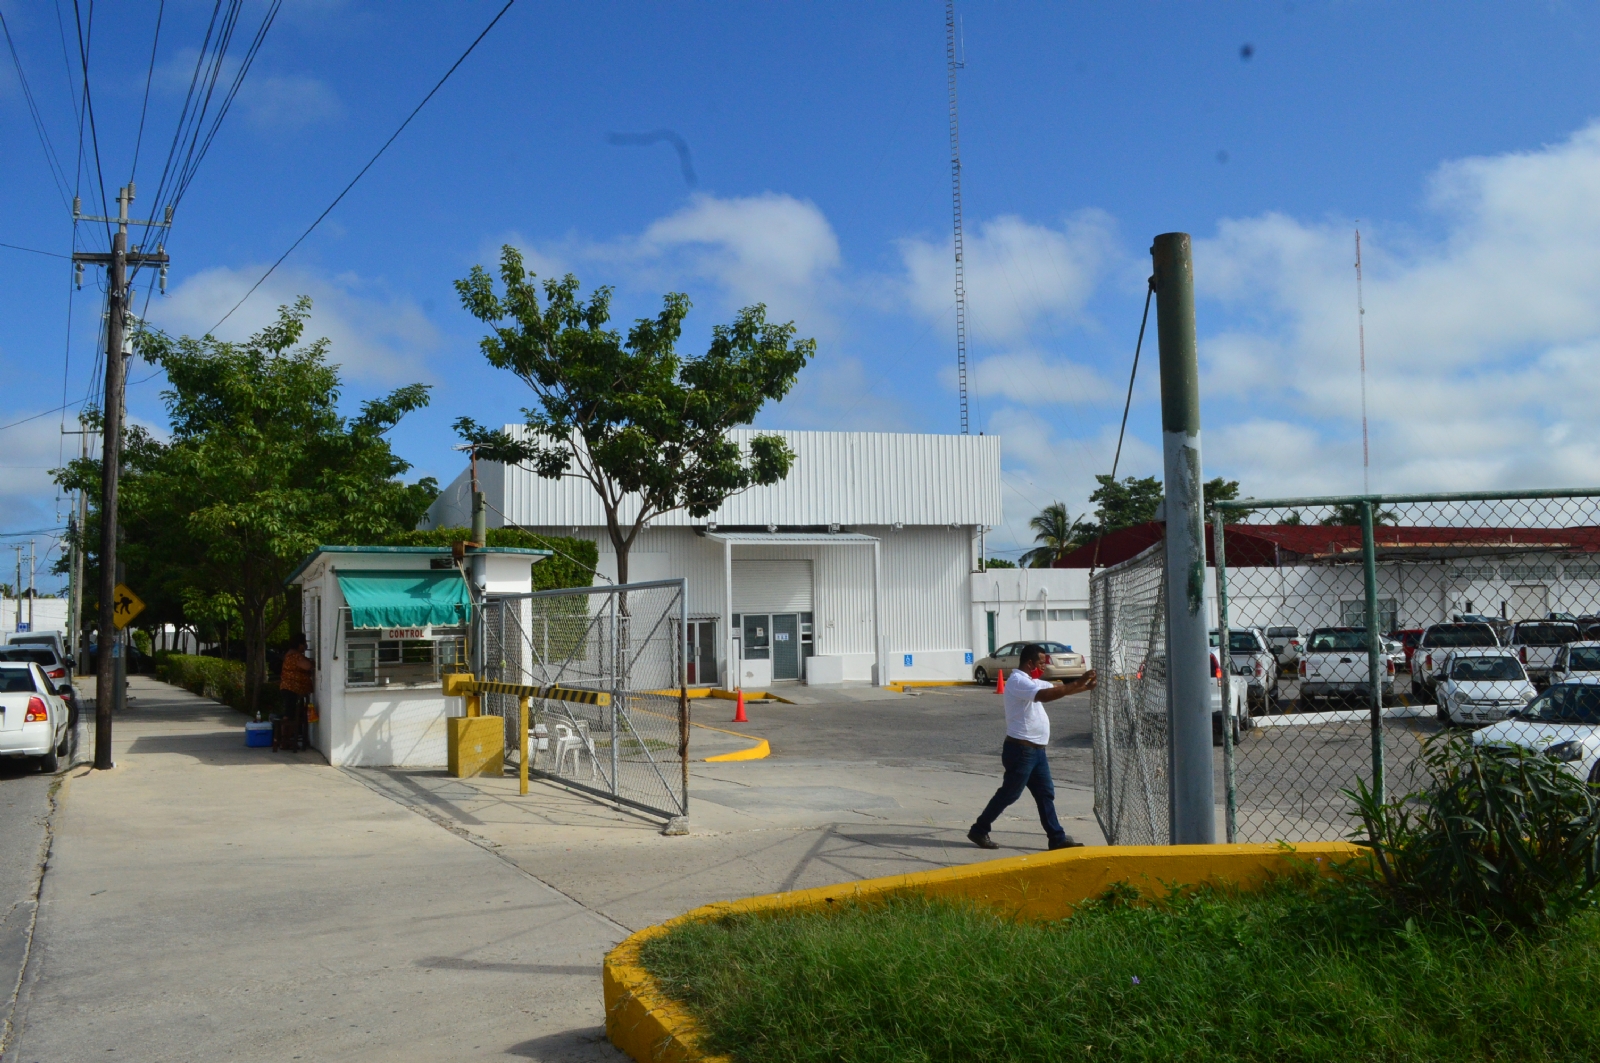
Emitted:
<point x="384" y="625"/>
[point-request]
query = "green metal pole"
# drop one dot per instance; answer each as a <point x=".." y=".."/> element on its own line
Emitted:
<point x="1225" y="681"/>
<point x="1369" y="566"/>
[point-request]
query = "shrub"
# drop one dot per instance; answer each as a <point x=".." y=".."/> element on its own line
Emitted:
<point x="210" y="677"/>
<point x="1501" y="835"/>
<point x="571" y="563"/>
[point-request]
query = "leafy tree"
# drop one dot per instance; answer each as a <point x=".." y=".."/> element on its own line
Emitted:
<point x="1219" y="490"/>
<point x="1294" y="519"/>
<point x="1126" y="503"/>
<point x="999" y="562"/>
<point x="645" y="426"/>
<point x="1057" y="535"/>
<point x="1348" y="514"/>
<point x="260" y="469"/>
<point x="571" y="563"/>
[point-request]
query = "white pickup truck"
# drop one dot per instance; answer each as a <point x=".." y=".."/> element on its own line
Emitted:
<point x="1437" y="640"/>
<point x="1155" y="697"/>
<point x="1537" y="642"/>
<point x="1334" y="663"/>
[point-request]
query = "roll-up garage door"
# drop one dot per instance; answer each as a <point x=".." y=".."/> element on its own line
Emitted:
<point x="772" y="586"/>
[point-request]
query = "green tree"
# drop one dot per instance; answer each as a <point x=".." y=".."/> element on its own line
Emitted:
<point x="260" y="468"/>
<point x="1123" y="504"/>
<point x="1348" y="515"/>
<point x="1219" y="490"/>
<point x="644" y="425"/>
<point x="1057" y="534"/>
<point x="999" y="562"/>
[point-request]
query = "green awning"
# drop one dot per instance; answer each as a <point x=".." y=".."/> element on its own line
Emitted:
<point x="384" y="598"/>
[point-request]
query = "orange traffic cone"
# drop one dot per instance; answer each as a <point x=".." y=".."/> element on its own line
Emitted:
<point x="738" y="712"/>
<point x="1000" y="682"/>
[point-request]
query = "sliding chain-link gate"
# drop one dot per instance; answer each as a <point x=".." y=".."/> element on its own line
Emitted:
<point x="624" y="641"/>
<point x="1364" y="624"/>
<point x="1127" y="643"/>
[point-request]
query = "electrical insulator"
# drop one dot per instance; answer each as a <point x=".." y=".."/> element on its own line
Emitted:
<point x="77" y="274"/>
<point x="169" y="214"/>
<point x="77" y="206"/>
<point x="163" y="280"/>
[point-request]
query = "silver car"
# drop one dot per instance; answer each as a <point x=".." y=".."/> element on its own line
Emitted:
<point x="1061" y="662"/>
<point x="1482" y="686"/>
<point x="1563" y="723"/>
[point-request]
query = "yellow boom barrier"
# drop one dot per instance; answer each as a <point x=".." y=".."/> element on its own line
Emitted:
<point x="463" y="685"/>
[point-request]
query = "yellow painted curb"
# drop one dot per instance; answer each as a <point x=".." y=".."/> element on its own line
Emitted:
<point x="900" y="686"/>
<point x="749" y="695"/>
<point x="760" y="751"/>
<point x="648" y="1026"/>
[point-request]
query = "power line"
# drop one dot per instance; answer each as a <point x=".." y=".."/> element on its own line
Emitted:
<point x="57" y="174"/>
<point x="34" y="250"/>
<point x="88" y="103"/>
<point x="149" y="76"/>
<point x="376" y="156"/>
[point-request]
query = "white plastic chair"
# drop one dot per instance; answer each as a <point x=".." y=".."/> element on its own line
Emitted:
<point x="576" y="744"/>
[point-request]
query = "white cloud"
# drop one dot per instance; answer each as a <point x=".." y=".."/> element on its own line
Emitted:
<point x="375" y="336"/>
<point x="1018" y="274"/>
<point x="1483" y="344"/>
<point x="1033" y="379"/>
<point x="278" y="102"/>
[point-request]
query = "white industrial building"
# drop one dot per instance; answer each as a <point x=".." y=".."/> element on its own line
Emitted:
<point x="857" y="567"/>
<point x="1032" y="605"/>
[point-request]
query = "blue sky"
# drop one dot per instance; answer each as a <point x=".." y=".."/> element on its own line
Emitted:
<point x="1458" y="135"/>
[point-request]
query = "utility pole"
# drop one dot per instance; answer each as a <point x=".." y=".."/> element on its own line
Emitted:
<point x="33" y="566"/>
<point x="16" y="588"/>
<point x="1192" y="790"/>
<point x="117" y="287"/>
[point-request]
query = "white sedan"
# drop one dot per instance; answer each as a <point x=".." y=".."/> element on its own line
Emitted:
<point x="1563" y="723"/>
<point x="1574" y="661"/>
<point x="1482" y="686"/>
<point x="33" y="718"/>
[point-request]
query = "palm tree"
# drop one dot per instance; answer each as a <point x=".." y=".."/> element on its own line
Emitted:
<point x="1057" y="535"/>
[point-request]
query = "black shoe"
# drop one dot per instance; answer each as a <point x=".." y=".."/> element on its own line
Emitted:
<point x="982" y="841"/>
<point x="1065" y="843"/>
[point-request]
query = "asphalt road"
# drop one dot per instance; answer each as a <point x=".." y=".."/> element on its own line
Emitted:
<point x="24" y="815"/>
<point x="960" y="726"/>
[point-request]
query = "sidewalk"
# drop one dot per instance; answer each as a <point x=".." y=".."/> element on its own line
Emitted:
<point x="206" y="901"/>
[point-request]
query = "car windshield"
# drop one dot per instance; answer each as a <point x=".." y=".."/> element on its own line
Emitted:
<point x="1283" y="632"/>
<point x="1238" y="642"/>
<point x="16" y="681"/>
<point x="1584" y="659"/>
<point x="1454" y="635"/>
<point x="1565" y="703"/>
<point x="1335" y="641"/>
<point x="1545" y="634"/>
<point x="1056" y="647"/>
<point x="1410" y="639"/>
<point x="1471" y="668"/>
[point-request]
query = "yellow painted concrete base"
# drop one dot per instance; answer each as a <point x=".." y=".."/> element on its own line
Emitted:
<point x="645" y="1023"/>
<point x="900" y="686"/>
<point x="476" y="745"/>
<point x="760" y="751"/>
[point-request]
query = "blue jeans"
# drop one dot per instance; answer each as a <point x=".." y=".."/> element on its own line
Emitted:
<point x="1027" y="767"/>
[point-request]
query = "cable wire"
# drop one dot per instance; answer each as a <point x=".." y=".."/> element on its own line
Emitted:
<point x="1144" y="319"/>
<point x="376" y="156"/>
<point x="149" y="76"/>
<point x="84" y="42"/>
<point x="57" y="174"/>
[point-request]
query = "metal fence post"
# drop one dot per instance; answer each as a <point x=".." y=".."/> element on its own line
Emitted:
<point x="1225" y="680"/>
<point x="616" y="692"/>
<point x="1375" y="668"/>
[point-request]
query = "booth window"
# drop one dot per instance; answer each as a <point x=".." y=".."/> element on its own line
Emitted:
<point x="374" y="661"/>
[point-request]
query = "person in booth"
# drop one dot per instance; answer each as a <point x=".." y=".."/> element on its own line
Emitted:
<point x="1025" y="755"/>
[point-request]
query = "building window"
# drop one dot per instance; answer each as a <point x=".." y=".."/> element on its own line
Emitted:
<point x="1059" y="614"/>
<point x="1585" y="569"/>
<point x="371" y="660"/>
<point x="1353" y="613"/>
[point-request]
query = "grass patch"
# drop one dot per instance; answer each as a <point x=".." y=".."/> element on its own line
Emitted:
<point x="1301" y="971"/>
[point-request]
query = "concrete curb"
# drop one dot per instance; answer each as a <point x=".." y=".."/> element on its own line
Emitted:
<point x="1310" y="719"/>
<point x="650" y="1027"/>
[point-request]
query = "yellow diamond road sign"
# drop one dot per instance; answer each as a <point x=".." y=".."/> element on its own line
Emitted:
<point x="125" y="606"/>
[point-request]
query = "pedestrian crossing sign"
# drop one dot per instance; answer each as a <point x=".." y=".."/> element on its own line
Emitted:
<point x="125" y="605"/>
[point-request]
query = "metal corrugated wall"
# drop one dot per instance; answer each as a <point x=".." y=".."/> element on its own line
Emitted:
<point x="850" y="478"/>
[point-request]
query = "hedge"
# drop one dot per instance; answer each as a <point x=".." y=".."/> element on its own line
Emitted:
<point x="210" y="677"/>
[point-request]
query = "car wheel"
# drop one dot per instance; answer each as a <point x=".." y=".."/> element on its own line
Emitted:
<point x="980" y="677"/>
<point x="1594" y="775"/>
<point x="1443" y="714"/>
<point x="50" y="763"/>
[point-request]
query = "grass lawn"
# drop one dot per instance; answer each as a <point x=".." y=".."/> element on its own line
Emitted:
<point x="1289" y="974"/>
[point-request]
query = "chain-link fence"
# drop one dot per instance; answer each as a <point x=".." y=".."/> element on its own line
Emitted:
<point x="1127" y="643"/>
<point x="624" y="641"/>
<point x="1362" y="625"/>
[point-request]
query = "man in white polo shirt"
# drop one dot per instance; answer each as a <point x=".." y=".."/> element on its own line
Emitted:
<point x="1024" y="755"/>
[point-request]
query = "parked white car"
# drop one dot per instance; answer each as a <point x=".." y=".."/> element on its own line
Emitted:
<point x="1285" y="642"/>
<point x="1250" y="656"/>
<point x="34" y="720"/>
<point x="1575" y="660"/>
<point x="1482" y="686"/>
<point x="1436" y="644"/>
<point x="1334" y="664"/>
<point x="1536" y="643"/>
<point x="1563" y="723"/>
<point x="1155" y="701"/>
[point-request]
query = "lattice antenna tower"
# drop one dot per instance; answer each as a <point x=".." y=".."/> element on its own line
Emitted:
<point x="1361" y="335"/>
<point x="952" y="64"/>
